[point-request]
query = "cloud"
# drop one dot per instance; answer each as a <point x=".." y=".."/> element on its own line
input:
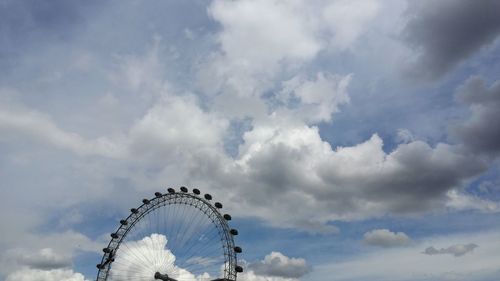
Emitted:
<point x="254" y="49"/>
<point x="456" y="250"/>
<point x="444" y="33"/>
<point x="281" y="31"/>
<point x="45" y="275"/>
<point x="477" y="132"/>
<point x="282" y="160"/>
<point x="45" y="259"/>
<point x="278" y="265"/>
<point x="23" y="22"/>
<point x="345" y="20"/>
<point x="45" y="251"/>
<point x="291" y="162"/>
<point x="32" y="125"/>
<point x="174" y="126"/>
<point x="409" y="264"/>
<point x="282" y="66"/>
<point x="252" y="276"/>
<point x="386" y="238"/>
<point x="461" y="201"/>
<point x="279" y="156"/>
<point x="319" y="98"/>
<point x="261" y="42"/>
<point x="404" y="136"/>
<point x="145" y="257"/>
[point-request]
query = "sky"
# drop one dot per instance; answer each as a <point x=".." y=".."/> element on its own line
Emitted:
<point x="349" y="140"/>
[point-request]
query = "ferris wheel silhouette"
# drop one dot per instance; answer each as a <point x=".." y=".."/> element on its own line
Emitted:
<point x="176" y="236"/>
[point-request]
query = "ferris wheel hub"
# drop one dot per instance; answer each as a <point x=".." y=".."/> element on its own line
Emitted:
<point x="164" y="277"/>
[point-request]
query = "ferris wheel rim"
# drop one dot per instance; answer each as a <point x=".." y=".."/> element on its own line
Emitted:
<point x="173" y="197"/>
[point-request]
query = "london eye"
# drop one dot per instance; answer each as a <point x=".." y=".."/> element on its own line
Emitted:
<point x="175" y="236"/>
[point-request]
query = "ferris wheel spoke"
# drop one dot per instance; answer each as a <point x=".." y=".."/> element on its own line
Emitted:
<point x="194" y="228"/>
<point x="196" y="235"/>
<point x="175" y="211"/>
<point x="141" y="236"/>
<point x="180" y="225"/>
<point x="138" y="258"/>
<point x="192" y="250"/>
<point x="187" y="217"/>
<point x="202" y="267"/>
<point x="136" y="254"/>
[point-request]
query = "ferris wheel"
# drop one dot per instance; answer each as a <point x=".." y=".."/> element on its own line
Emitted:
<point x="176" y="236"/>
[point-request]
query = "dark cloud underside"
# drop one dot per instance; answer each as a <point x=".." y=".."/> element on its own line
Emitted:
<point x="480" y="132"/>
<point x="447" y="32"/>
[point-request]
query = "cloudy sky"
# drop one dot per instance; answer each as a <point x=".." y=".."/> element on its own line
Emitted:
<point x="350" y="140"/>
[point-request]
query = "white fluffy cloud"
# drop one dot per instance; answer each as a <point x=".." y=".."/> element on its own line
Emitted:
<point x="173" y="127"/>
<point x="319" y="98"/>
<point x="346" y="20"/>
<point x="45" y="275"/>
<point x="143" y="258"/>
<point x="275" y="267"/>
<point x="386" y="238"/>
<point x="283" y="30"/>
<point x="252" y="276"/>
<point x="262" y="40"/>
<point x="253" y="49"/>
<point x="278" y="265"/>
<point x="461" y="201"/>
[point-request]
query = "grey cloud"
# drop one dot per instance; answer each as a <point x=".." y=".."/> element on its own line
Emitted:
<point x="279" y="265"/>
<point x="480" y="132"/>
<point x="45" y="259"/>
<point x="455" y="250"/>
<point x="20" y="123"/>
<point x="291" y="176"/>
<point x="386" y="238"/>
<point x="22" y="22"/>
<point x="446" y="32"/>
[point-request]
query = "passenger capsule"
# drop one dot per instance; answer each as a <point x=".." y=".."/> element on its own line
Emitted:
<point x="134" y="210"/>
<point x="238" y="249"/>
<point x="208" y="196"/>
<point x="145" y="201"/>
<point x="184" y="189"/>
<point x="233" y="231"/>
<point x="106" y="250"/>
<point x="227" y="217"/>
<point x="239" y="269"/>
<point x="114" y="235"/>
<point x="218" y="205"/>
<point x="158" y="194"/>
<point x="171" y="190"/>
<point x="196" y="191"/>
<point x="123" y="222"/>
